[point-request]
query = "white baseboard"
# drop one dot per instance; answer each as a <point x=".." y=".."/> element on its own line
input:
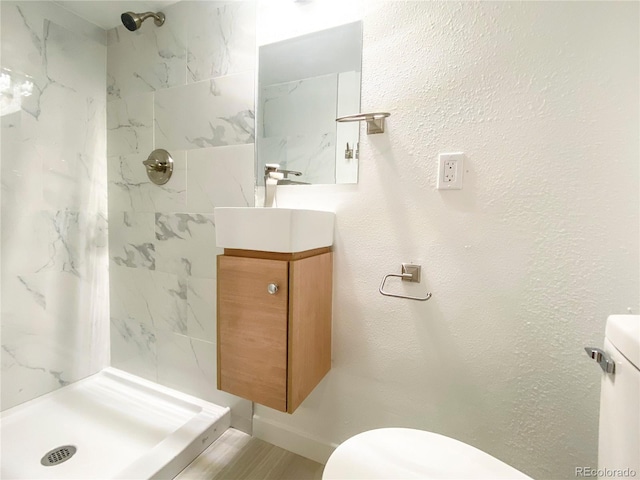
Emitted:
<point x="293" y="440"/>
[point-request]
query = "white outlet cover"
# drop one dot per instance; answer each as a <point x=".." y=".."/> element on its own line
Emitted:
<point x="450" y="171"/>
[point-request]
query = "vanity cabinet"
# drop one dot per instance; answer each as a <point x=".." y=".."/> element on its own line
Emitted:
<point x="274" y="324"/>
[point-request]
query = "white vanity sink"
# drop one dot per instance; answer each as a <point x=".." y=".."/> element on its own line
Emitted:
<point x="285" y="230"/>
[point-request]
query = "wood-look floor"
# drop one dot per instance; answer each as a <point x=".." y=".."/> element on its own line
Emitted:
<point x="238" y="456"/>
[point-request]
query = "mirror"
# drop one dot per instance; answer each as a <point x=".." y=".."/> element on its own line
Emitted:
<point x="304" y="84"/>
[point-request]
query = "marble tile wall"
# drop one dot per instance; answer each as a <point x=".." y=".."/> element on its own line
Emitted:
<point x="54" y="260"/>
<point x="191" y="92"/>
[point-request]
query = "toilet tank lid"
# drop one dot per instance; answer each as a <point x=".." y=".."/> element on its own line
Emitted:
<point x="623" y="331"/>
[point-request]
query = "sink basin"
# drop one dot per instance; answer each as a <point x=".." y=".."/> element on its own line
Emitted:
<point x="284" y="230"/>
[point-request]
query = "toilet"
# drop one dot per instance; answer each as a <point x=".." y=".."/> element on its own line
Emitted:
<point x="619" y="430"/>
<point x="406" y="453"/>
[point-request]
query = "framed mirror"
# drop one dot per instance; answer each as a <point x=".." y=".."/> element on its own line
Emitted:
<point x="304" y="84"/>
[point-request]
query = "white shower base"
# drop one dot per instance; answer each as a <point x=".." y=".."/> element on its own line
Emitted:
<point x="123" y="427"/>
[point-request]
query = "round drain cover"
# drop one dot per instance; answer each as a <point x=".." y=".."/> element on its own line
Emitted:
<point x="58" y="455"/>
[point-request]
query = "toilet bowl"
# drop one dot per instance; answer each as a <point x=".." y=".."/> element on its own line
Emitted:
<point x="403" y="453"/>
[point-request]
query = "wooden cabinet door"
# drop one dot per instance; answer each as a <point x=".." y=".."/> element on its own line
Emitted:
<point x="252" y="329"/>
<point x="310" y="287"/>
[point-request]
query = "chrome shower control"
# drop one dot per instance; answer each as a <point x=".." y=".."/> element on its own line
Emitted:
<point x="159" y="166"/>
<point x="272" y="288"/>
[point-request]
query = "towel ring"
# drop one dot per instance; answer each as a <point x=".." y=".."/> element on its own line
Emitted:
<point x="410" y="273"/>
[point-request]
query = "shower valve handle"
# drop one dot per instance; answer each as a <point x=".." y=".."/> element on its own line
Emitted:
<point x="154" y="164"/>
<point x="159" y="166"/>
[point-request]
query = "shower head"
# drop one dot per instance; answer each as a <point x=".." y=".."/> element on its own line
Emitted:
<point x="133" y="21"/>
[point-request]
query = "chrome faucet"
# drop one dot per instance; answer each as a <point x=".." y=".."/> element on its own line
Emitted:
<point x="273" y="174"/>
<point x="275" y="167"/>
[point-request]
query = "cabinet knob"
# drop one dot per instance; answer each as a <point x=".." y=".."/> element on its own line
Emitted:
<point x="272" y="288"/>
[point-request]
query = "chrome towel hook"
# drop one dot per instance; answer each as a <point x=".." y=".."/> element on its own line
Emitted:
<point x="410" y="273"/>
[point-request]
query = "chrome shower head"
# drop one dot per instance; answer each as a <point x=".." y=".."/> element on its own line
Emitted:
<point x="133" y="21"/>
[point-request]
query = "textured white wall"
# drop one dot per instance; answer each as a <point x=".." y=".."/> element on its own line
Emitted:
<point x="525" y="263"/>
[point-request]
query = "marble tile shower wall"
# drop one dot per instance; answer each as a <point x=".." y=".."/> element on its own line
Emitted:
<point x="187" y="87"/>
<point x="54" y="205"/>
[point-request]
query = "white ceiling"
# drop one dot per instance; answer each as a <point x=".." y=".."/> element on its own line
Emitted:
<point x="106" y="13"/>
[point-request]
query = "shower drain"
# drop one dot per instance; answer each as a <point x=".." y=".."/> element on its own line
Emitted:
<point x="58" y="455"/>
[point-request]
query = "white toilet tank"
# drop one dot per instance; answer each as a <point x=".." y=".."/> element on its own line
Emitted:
<point x="619" y="436"/>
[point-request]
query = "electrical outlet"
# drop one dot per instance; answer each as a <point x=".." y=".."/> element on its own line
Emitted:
<point x="450" y="171"/>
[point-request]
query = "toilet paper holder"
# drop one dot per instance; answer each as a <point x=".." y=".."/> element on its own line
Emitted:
<point x="410" y="273"/>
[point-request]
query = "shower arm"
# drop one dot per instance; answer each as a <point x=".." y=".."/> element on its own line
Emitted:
<point x="158" y="18"/>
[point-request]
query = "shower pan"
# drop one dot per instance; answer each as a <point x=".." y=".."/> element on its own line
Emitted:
<point x="110" y="425"/>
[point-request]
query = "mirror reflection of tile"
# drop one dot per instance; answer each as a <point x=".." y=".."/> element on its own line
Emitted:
<point x="299" y="101"/>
